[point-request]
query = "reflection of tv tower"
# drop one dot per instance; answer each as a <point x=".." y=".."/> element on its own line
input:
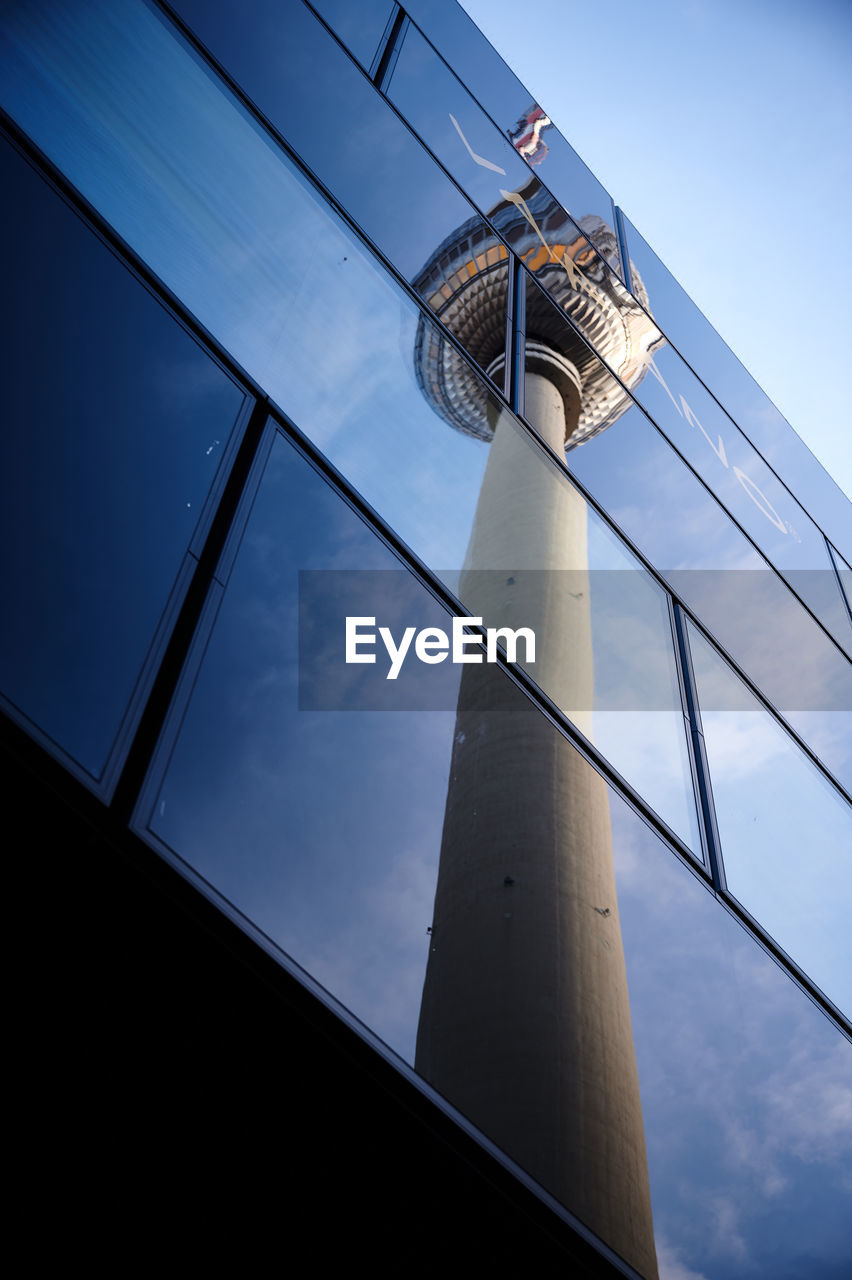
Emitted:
<point x="525" y="1018"/>
<point x="526" y="135"/>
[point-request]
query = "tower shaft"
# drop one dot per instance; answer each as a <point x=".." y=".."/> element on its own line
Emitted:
<point x="525" y="1018"/>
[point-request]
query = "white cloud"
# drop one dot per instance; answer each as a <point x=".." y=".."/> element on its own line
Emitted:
<point x="670" y="1265"/>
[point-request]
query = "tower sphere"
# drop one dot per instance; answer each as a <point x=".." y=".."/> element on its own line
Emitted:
<point x="465" y="282"/>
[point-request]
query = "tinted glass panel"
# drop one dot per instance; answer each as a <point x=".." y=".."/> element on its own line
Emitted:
<point x="360" y="26"/>
<point x="115" y="425"/>
<point x="671" y="518"/>
<point x="536" y="556"/>
<point x="745" y="1085"/>
<point x="484" y="162"/>
<point x="786" y="833"/>
<point x="611" y="325"/>
<point x="518" y="117"/>
<point x="628" y="467"/>
<point x="707" y="438"/>
<point x="748" y="405"/>
<point x="458" y="39"/>
<point x="624" y="335"/>
<point x="383" y="852"/>
<point x="198" y="189"/>
<point x="391" y="402"/>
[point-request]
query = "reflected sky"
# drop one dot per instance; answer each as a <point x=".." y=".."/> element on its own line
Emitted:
<point x="106" y="465"/>
<point x="156" y="122"/>
<point x="762" y="506"/>
<point x="739" y="393"/>
<point x="745" y="1086"/>
<point x="786" y="834"/>
<point x="679" y="526"/>
<point x="359" y="28"/>
<point x="727" y="185"/>
<point x="511" y="108"/>
<point x="325" y="829"/>
<point x="351" y="387"/>
<point x="224" y="219"/>
<point x="344" y="131"/>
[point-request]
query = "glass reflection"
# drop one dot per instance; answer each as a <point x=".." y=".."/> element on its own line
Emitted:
<point x="492" y="168"/>
<point x="117" y="425"/>
<point x="348" y="836"/>
<point x="360" y="28"/>
<point x="526" y="557"/>
<point x="608" y="321"/>
<point x="682" y="530"/>
<point x="140" y="125"/>
<point x="786" y="833"/>
<point x="380" y="420"/>
<point x="518" y="117"/>
<point x="458" y="39"/>
<point x="233" y="229"/>
<point x="745" y="1085"/>
<point x="707" y="438"/>
<point x="749" y="406"/>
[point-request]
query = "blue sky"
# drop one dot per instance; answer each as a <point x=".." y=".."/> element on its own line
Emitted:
<point x="725" y="139"/>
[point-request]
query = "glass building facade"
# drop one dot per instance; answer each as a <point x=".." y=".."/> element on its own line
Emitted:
<point x="314" y="316"/>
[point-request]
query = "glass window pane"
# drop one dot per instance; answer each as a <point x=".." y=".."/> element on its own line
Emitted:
<point x="459" y="40"/>
<point x="750" y="407"/>
<point x="391" y="403"/>
<point x="520" y="118"/>
<point x="465" y="898"/>
<point x="745" y="1084"/>
<point x="488" y="167"/>
<point x="187" y="177"/>
<point x="630" y="469"/>
<point x="622" y="333"/>
<point x="711" y="443"/>
<point x="537" y="556"/>
<point x="116" y="426"/>
<point x="360" y="27"/>
<point x="786" y="833"/>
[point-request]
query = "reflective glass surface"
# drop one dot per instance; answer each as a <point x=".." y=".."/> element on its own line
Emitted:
<point x="518" y="117"/>
<point x="458" y="39"/>
<point x="116" y="423"/>
<point x="624" y="335"/>
<point x="537" y="556"/>
<point x="654" y="498"/>
<point x="391" y="403"/>
<point x="360" y="27"/>
<point x="734" y="387"/>
<point x="139" y="124"/>
<point x="486" y="164"/>
<point x="786" y="834"/>
<point x="712" y="444"/>
<point x="485" y="910"/>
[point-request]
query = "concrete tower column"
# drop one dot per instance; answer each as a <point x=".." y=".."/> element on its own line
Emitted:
<point x="525" y="1018"/>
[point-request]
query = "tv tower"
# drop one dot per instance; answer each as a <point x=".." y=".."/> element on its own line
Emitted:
<point x="525" y="1016"/>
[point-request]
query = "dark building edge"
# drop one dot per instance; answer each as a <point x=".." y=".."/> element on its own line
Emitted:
<point x="175" y="1083"/>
